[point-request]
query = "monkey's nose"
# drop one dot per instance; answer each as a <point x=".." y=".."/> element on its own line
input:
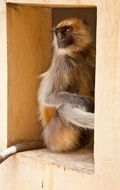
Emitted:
<point x="60" y="35"/>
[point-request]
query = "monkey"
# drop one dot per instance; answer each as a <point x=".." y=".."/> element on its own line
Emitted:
<point x="66" y="92"/>
<point x="67" y="87"/>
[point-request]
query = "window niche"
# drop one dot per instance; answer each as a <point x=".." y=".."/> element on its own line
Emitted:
<point x="29" y="54"/>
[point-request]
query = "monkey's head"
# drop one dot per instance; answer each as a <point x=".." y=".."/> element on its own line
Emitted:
<point x="71" y="35"/>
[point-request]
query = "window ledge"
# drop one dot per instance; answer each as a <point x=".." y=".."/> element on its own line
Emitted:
<point x="81" y="160"/>
<point x="41" y="169"/>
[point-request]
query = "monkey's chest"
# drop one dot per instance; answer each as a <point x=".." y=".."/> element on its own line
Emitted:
<point x="71" y="82"/>
<point x="72" y="76"/>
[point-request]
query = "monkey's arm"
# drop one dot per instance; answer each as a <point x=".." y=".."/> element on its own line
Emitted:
<point x="29" y="145"/>
<point x="74" y="108"/>
<point x="77" y="116"/>
<point x="86" y="103"/>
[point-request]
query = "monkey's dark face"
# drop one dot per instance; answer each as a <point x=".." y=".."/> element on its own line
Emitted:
<point x="64" y="36"/>
<point x="71" y="36"/>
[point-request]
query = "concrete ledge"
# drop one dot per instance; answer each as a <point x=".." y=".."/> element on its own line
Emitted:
<point x="40" y="169"/>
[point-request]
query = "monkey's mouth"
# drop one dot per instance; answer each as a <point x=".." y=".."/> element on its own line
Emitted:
<point x="64" y="41"/>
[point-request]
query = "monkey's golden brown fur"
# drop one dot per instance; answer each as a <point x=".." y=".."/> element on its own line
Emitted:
<point x="71" y="73"/>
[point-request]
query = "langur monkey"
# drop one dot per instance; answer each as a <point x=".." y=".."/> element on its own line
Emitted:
<point x="66" y="92"/>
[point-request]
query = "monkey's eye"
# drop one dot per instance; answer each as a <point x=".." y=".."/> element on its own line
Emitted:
<point x="68" y="29"/>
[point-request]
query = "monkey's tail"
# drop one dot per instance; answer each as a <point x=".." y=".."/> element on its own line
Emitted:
<point x="74" y="115"/>
<point x="30" y="145"/>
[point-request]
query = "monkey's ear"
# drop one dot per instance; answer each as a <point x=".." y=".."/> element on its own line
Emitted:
<point x="85" y="22"/>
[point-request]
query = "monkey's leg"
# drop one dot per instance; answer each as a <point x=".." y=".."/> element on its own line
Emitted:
<point x="29" y="145"/>
<point x="64" y="117"/>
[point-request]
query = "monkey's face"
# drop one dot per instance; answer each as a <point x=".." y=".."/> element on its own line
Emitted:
<point x="64" y="36"/>
<point x="71" y="35"/>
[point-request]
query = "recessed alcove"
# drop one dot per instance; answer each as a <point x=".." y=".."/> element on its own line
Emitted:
<point x="29" y="54"/>
<point x="29" y="43"/>
<point x="24" y="31"/>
